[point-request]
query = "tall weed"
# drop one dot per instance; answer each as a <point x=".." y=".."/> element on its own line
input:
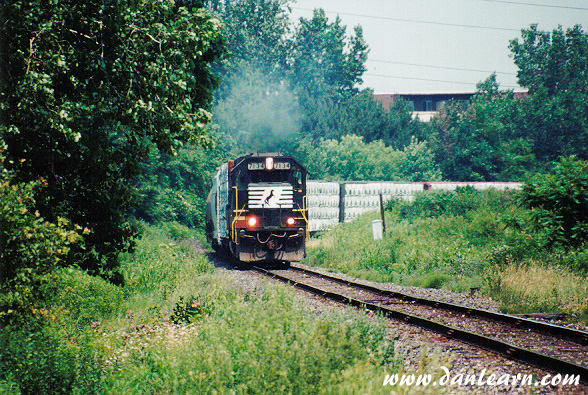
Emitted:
<point x="537" y="287"/>
<point x="265" y="344"/>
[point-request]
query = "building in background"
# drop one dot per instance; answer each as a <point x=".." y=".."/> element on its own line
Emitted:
<point x="425" y="106"/>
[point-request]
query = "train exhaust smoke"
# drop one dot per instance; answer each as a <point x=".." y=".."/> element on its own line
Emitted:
<point x="258" y="112"/>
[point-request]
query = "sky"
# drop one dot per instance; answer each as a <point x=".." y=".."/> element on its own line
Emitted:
<point x="421" y="46"/>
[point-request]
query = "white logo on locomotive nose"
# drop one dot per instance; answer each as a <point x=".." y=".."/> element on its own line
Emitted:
<point x="270" y="199"/>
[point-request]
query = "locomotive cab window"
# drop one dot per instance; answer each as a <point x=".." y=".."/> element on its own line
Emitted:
<point x="269" y="176"/>
<point x="297" y="179"/>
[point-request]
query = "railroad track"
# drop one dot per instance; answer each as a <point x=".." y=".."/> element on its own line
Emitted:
<point x="551" y="347"/>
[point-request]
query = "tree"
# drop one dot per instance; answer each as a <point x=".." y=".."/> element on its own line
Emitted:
<point x="256" y="33"/>
<point x="480" y="140"/>
<point x="85" y="87"/>
<point x="554" y="66"/>
<point x="354" y="160"/>
<point x="323" y="62"/>
<point x="174" y="188"/>
<point x="556" y="61"/>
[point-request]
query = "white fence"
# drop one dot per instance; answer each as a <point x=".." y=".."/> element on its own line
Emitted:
<point x="331" y="202"/>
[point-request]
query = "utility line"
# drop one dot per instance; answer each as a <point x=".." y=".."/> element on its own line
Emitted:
<point x="440" y="67"/>
<point x="561" y="7"/>
<point x="429" y="80"/>
<point x="415" y="21"/>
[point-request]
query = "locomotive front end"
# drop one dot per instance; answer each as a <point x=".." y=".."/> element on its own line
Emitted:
<point x="266" y="211"/>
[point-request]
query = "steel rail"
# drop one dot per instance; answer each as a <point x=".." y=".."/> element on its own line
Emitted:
<point x="508" y="350"/>
<point x="574" y="335"/>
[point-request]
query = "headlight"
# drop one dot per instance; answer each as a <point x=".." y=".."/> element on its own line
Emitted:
<point x="269" y="163"/>
<point x="252" y="221"/>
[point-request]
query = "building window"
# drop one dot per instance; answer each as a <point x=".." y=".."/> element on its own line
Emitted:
<point x="428" y="105"/>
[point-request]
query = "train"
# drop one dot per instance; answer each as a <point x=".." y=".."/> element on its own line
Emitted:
<point x="256" y="209"/>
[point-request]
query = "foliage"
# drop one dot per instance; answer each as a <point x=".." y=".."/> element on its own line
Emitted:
<point x="40" y="360"/>
<point x="88" y="338"/>
<point x="477" y="141"/>
<point x="256" y="33"/>
<point x="56" y="350"/>
<point x="457" y="202"/>
<point x="554" y="68"/>
<point x="432" y="280"/>
<point x="189" y="310"/>
<point x="262" y="343"/>
<point x="174" y="188"/>
<point x="30" y="247"/>
<point x="164" y="264"/>
<point x="333" y="117"/>
<point x="555" y="61"/>
<point x="352" y="159"/>
<point x="85" y="87"/>
<point x="559" y="203"/>
<point x="449" y="233"/>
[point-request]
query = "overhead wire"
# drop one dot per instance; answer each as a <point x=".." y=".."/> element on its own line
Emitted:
<point x="430" y="80"/>
<point x="414" y="20"/>
<point x="450" y="25"/>
<point x="561" y="7"/>
<point x="440" y="67"/>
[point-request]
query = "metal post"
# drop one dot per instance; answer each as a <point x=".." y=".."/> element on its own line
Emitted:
<point x="382" y="213"/>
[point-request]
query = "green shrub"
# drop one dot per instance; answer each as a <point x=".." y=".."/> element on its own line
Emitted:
<point x="577" y="260"/>
<point x="55" y="349"/>
<point x="189" y="310"/>
<point x="30" y="248"/>
<point x="84" y="298"/>
<point x="39" y="358"/>
<point x="458" y="202"/>
<point x="558" y="203"/>
<point x="159" y="263"/>
<point x="177" y="231"/>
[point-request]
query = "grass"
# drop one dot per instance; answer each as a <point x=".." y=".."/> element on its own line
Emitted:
<point x="179" y="327"/>
<point x="459" y="242"/>
<point x="408" y="253"/>
<point x="536" y="287"/>
<point x="263" y="345"/>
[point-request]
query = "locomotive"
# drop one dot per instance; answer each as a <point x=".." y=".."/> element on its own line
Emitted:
<point x="256" y="209"/>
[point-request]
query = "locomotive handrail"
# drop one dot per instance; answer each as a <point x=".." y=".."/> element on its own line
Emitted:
<point x="237" y="216"/>
<point x="303" y="210"/>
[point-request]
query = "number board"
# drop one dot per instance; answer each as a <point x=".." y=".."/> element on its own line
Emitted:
<point x="261" y="166"/>
<point x="282" y="165"/>
<point x="256" y="166"/>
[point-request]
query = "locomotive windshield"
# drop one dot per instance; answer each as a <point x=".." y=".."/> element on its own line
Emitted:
<point x="293" y="177"/>
<point x="269" y="176"/>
